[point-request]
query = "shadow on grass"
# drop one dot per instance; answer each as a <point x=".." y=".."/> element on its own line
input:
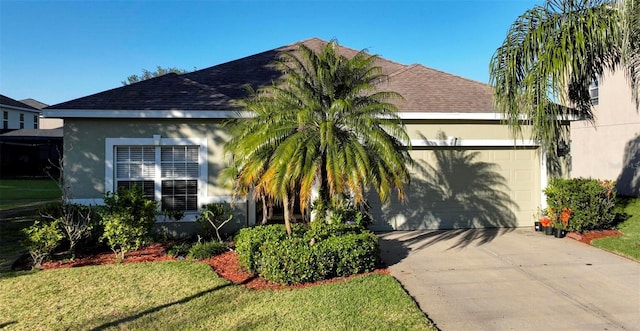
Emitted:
<point x="4" y="325"/>
<point x="141" y="314"/>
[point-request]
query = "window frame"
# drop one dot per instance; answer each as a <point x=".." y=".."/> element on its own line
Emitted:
<point x="594" y="86"/>
<point x="5" y="119"/>
<point x="21" y="120"/>
<point x="36" y="122"/>
<point x="158" y="142"/>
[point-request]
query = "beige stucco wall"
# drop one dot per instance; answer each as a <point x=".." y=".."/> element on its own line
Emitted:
<point x="50" y="123"/>
<point x="513" y="175"/>
<point x="610" y="149"/>
<point x="475" y="130"/>
<point x="84" y="141"/>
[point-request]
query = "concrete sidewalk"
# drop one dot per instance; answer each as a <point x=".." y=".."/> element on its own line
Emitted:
<point x="514" y="279"/>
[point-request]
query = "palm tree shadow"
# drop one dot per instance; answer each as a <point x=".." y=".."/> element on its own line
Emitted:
<point x="628" y="182"/>
<point x="455" y="191"/>
<point x="158" y="308"/>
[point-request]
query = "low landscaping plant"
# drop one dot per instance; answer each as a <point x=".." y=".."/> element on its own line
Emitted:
<point x="177" y="250"/>
<point x="77" y="222"/>
<point x="213" y="217"/>
<point x="128" y="218"/>
<point x="249" y="240"/>
<point x="312" y="253"/>
<point x="41" y="239"/>
<point x="581" y="204"/>
<point x="207" y="249"/>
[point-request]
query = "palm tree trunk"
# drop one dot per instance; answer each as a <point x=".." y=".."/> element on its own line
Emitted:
<point x="265" y="211"/>
<point x="287" y="221"/>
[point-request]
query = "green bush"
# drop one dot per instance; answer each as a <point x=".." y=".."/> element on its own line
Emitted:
<point x="321" y="230"/>
<point x="80" y="224"/>
<point x="128" y="218"/>
<point x="41" y="239"/>
<point x="321" y="251"/>
<point x="353" y="253"/>
<point x="179" y="249"/>
<point x="249" y="240"/>
<point x="206" y="250"/>
<point x="290" y="261"/>
<point x="344" y="211"/>
<point x="589" y="203"/>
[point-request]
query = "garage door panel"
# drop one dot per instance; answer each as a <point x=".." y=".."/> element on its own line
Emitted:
<point x="466" y="188"/>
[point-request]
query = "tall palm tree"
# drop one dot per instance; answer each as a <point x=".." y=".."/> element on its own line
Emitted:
<point x="553" y="52"/>
<point x="324" y="128"/>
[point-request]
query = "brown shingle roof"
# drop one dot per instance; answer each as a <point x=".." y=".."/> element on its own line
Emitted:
<point x="430" y="90"/>
<point x="218" y="87"/>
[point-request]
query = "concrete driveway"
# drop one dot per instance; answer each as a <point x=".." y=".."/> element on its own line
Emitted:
<point x="515" y="279"/>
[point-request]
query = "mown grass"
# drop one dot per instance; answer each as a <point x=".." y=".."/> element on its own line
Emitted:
<point x="19" y="202"/>
<point x="16" y="193"/>
<point x="628" y="244"/>
<point x="187" y="295"/>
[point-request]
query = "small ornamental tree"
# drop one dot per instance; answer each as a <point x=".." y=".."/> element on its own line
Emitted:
<point x="41" y="239"/>
<point x="128" y="218"/>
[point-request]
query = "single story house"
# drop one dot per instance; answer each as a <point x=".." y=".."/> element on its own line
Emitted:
<point x="166" y="135"/>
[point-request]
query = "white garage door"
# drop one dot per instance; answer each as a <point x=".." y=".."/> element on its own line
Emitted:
<point x="457" y="188"/>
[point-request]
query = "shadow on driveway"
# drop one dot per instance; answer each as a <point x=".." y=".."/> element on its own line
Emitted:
<point x="396" y="245"/>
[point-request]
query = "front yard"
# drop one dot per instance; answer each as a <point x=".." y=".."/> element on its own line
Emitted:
<point x="629" y="243"/>
<point x="187" y="295"/>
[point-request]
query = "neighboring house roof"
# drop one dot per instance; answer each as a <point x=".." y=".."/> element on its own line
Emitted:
<point x="11" y="103"/>
<point x="42" y="133"/>
<point x="34" y="103"/>
<point x="218" y="88"/>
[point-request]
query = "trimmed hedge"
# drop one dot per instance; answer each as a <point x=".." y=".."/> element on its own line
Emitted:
<point x="588" y="203"/>
<point x="249" y="240"/>
<point x="310" y="254"/>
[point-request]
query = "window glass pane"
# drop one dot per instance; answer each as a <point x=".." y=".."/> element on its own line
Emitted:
<point x="192" y="153"/>
<point x="180" y="194"/>
<point x="147" y="186"/>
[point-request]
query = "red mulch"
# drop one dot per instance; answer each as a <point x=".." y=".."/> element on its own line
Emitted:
<point x="153" y="252"/>
<point x="226" y="265"/>
<point x="587" y="236"/>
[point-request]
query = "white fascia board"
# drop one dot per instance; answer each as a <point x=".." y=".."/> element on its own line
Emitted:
<point x="9" y="107"/>
<point x="474" y="143"/>
<point x="421" y="115"/>
<point x="167" y="114"/>
<point x="483" y="116"/>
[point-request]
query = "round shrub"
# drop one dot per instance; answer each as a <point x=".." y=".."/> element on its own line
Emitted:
<point x="206" y="250"/>
<point x="295" y="260"/>
<point x="591" y="202"/>
<point x="288" y="261"/>
<point x="249" y="240"/>
<point x="350" y="254"/>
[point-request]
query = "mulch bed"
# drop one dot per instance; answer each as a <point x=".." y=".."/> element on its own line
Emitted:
<point x="226" y="265"/>
<point x="587" y="236"/>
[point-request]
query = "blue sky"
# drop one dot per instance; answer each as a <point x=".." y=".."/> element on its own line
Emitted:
<point x="54" y="51"/>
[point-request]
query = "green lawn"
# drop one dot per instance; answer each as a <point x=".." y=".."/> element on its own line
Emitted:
<point x="19" y="202"/>
<point x="628" y="244"/>
<point x="20" y="193"/>
<point x="188" y="295"/>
